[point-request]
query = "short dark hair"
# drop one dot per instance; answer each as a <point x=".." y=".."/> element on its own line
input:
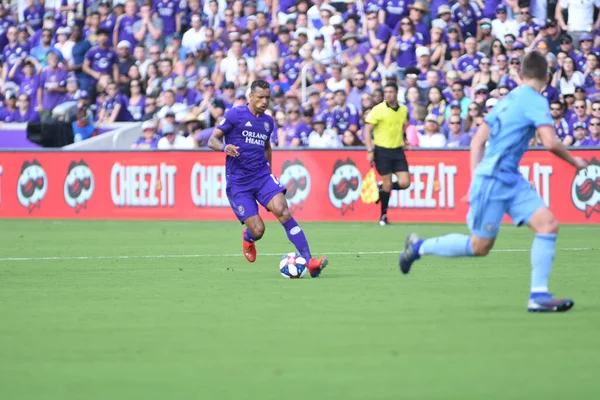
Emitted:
<point x="534" y="66"/>
<point x="392" y="85"/>
<point x="259" y="83"/>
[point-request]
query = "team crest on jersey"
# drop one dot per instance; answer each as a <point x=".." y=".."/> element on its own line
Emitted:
<point x="267" y="127"/>
<point x="241" y="209"/>
<point x="296" y="179"/>
<point x="344" y="185"/>
<point x="585" y="189"/>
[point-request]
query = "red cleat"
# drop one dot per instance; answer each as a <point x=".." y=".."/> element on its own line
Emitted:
<point x="249" y="249"/>
<point x="316" y="266"/>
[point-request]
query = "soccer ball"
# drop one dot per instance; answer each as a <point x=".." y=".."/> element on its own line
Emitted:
<point x="293" y="266"/>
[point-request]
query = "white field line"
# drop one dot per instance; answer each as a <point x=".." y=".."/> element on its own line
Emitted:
<point x="158" y="256"/>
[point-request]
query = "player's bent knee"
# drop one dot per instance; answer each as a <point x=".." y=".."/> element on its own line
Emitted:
<point x="257" y="231"/>
<point x="404" y="184"/>
<point x="543" y="221"/>
<point x="481" y="247"/>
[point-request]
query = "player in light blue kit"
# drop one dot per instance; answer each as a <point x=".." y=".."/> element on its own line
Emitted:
<point x="497" y="187"/>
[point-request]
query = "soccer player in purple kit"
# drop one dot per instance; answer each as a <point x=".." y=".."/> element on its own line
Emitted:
<point x="243" y="134"/>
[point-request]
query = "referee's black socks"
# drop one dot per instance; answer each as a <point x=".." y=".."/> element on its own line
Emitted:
<point x="384" y="199"/>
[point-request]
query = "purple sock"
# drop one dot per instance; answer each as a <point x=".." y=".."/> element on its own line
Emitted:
<point x="296" y="236"/>
<point x="248" y="236"/>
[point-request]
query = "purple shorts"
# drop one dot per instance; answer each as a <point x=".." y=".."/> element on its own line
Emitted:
<point x="243" y="198"/>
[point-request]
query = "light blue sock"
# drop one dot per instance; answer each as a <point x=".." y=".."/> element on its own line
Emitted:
<point x="542" y="256"/>
<point x="452" y="245"/>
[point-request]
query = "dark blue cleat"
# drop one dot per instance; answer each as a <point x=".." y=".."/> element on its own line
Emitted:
<point x="545" y="302"/>
<point x="410" y="253"/>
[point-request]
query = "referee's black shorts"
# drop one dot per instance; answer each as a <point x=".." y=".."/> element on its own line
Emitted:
<point x="388" y="161"/>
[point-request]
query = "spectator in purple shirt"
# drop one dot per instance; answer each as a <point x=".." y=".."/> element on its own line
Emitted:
<point x="185" y="95"/>
<point x="107" y="20"/>
<point x="53" y="84"/>
<point x="393" y="11"/>
<point x="359" y="83"/>
<point x="401" y="48"/>
<point x="456" y="136"/>
<point x="580" y="114"/>
<point x="169" y="12"/>
<point x="594" y="137"/>
<point x="290" y="67"/>
<point x="593" y="92"/>
<point x="5" y="22"/>
<point x="25" y="111"/>
<point x="24" y="75"/>
<point x="9" y="110"/>
<point x="124" y="25"/>
<point x="561" y="125"/>
<point x="377" y="35"/>
<point x="468" y="64"/>
<point x="149" y="140"/>
<point x="345" y="115"/>
<point x="99" y="60"/>
<point x="357" y="57"/>
<point x="12" y="52"/>
<point x="466" y="14"/>
<point x="33" y="14"/>
<point x="114" y="109"/>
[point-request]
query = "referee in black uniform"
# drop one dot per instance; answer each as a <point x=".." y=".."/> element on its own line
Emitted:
<point x="385" y="126"/>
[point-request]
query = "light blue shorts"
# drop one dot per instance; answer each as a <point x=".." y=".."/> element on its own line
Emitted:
<point x="490" y="199"/>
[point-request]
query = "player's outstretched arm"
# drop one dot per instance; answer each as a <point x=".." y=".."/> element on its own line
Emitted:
<point x="216" y="143"/>
<point x="478" y="145"/>
<point x="550" y="141"/>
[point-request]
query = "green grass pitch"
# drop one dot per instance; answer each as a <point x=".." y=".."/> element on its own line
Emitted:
<point x="171" y="310"/>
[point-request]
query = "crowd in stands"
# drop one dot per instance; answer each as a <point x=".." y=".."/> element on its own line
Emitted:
<point x="178" y="65"/>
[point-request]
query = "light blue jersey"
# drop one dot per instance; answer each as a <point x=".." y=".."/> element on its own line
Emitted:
<point x="497" y="186"/>
<point x="513" y="123"/>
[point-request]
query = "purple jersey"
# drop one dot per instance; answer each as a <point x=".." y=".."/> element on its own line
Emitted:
<point x="285" y="5"/>
<point x="90" y="36"/>
<point x="466" y="18"/>
<point x="33" y="15"/>
<point x="109" y="24"/>
<point x="344" y="117"/>
<point x="5" y="23"/>
<point x="284" y="50"/>
<point x="524" y="28"/>
<point x="142" y="144"/>
<point x="52" y="79"/>
<point x="562" y="129"/>
<point x="167" y="10"/>
<point x="360" y="52"/>
<point x="574" y="119"/>
<point x="12" y="53"/>
<point x="394" y="11"/>
<point x="590" y="141"/>
<point x="29" y="116"/>
<point x="406" y="50"/>
<point x="302" y="131"/>
<point x="101" y="60"/>
<point x="550" y="93"/>
<point x="290" y="134"/>
<point x="462" y="140"/>
<point x="469" y="64"/>
<point x="136" y="110"/>
<point x="7" y="116"/>
<point x="328" y="116"/>
<point x="126" y="30"/>
<point x="188" y="99"/>
<point x="593" y="94"/>
<point x="248" y="51"/>
<point x="28" y="86"/>
<point x="119" y="100"/>
<point x="291" y="67"/>
<point x="489" y="11"/>
<point x="251" y="134"/>
<point x="168" y="82"/>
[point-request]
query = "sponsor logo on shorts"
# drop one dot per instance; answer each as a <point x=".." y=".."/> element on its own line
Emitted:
<point x="32" y="185"/>
<point x="344" y="185"/>
<point x="296" y="180"/>
<point x="585" y="189"/>
<point x="79" y="185"/>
